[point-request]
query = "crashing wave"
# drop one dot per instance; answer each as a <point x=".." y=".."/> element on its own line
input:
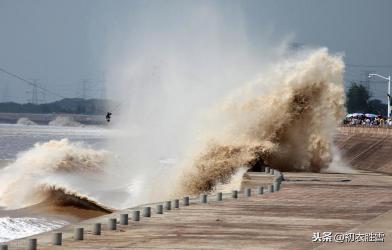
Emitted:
<point x="58" y="171"/>
<point x="285" y="120"/>
<point x="25" y="121"/>
<point x="65" y="121"/>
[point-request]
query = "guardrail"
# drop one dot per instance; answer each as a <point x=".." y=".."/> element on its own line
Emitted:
<point x="365" y="126"/>
<point x="381" y="130"/>
<point x="79" y="233"/>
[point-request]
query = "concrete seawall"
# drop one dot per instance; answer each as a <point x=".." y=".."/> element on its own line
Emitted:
<point x="307" y="203"/>
<point x="259" y="218"/>
<point x="366" y="148"/>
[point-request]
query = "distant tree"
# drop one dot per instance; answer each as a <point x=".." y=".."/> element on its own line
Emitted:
<point x="376" y="106"/>
<point x="81" y="109"/>
<point x="357" y="98"/>
<point x="45" y="108"/>
<point x="67" y="105"/>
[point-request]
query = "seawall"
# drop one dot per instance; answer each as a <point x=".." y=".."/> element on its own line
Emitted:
<point x="366" y="148"/>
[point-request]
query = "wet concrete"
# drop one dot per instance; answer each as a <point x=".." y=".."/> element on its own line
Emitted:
<point x="307" y="203"/>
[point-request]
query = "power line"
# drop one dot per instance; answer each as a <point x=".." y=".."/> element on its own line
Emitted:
<point x="31" y="83"/>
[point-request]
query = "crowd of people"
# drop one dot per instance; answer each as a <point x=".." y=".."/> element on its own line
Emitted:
<point x="366" y="120"/>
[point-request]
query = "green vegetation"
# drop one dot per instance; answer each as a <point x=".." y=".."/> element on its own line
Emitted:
<point x="359" y="100"/>
<point x="67" y="105"/>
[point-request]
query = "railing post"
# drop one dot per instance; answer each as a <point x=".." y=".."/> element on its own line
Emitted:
<point x="112" y="224"/>
<point x="123" y="219"/>
<point x="203" y="198"/>
<point x="176" y="203"/>
<point x="57" y="238"/>
<point x="168" y="205"/>
<point x="219" y="196"/>
<point x="147" y="212"/>
<point x="276" y="185"/>
<point x="186" y="201"/>
<point x="234" y="194"/>
<point x="248" y="192"/>
<point x="159" y="209"/>
<point x="97" y="229"/>
<point x="136" y="215"/>
<point x="78" y="233"/>
<point x="32" y="244"/>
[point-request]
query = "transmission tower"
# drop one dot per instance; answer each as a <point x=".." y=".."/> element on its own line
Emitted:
<point x="41" y="95"/>
<point x="35" y="86"/>
<point x="34" y="91"/>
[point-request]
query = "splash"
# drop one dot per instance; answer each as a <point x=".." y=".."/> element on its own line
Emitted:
<point x="65" y="121"/>
<point x="25" y="121"/>
<point x="13" y="228"/>
<point x="285" y="120"/>
<point x="57" y="172"/>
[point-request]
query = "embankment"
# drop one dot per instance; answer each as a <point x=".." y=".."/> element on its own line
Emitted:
<point x="366" y="148"/>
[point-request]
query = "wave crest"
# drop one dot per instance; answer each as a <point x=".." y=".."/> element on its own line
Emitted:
<point x="286" y="120"/>
<point x="57" y="171"/>
<point x="63" y="197"/>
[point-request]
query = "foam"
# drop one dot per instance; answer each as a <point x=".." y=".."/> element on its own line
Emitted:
<point x="286" y="119"/>
<point x="19" y="227"/>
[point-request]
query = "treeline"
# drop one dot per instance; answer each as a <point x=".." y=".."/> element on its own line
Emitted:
<point x="67" y="105"/>
<point x="359" y="100"/>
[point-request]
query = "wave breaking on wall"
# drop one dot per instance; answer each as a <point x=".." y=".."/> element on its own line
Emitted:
<point x="286" y="120"/>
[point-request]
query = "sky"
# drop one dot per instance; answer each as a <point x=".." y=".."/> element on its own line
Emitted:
<point x="71" y="47"/>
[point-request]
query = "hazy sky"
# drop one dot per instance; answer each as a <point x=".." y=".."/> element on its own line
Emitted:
<point x="62" y="43"/>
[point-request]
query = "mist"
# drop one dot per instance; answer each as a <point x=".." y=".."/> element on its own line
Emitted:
<point x="167" y="69"/>
<point x="198" y="104"/>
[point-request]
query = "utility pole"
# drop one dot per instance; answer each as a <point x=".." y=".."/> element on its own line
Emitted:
<point x="388" y="93"/>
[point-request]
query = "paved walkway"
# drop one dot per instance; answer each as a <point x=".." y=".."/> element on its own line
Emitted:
<point x="382" y="223"/>
<point x="287" y="219"/>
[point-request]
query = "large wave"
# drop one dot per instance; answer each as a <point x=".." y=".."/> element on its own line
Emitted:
<point x="285" y="120"/>
<point x="57" y="173"/>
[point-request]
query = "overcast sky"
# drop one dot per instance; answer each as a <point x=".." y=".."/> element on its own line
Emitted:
<point x="63" y="43"/>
